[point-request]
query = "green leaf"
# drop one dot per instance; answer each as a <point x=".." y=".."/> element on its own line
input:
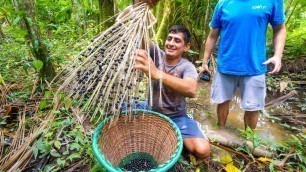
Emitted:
<point x="20" y="33"/>
<point x="26" y="66"/>
<point x="60" y="162"/>
<point x="43" y="105"/>
<point x="54" y="153"/>
<point x="285" y="125"/>
<point x="55" y="111"/>
<point x="35" y="152"/>
<point x="49" y="134"/>
<point x="40" y="132"/>
<point x="38" y="65"/>
<point x="29" y="20"/>
<point x="57" y="144"/>
<point x="48" y="94"/>
<point x="271" y="167"/>
<point x="75" y="146"/>
<point x="16" y="20"/>
<point x="193" y="52"/>
<point x="73" y="156"/>
<point x="52" y="25"/>
<point x="66" y="152"/>
<point x="68" y="103"/>
<point x="48" y="43"/>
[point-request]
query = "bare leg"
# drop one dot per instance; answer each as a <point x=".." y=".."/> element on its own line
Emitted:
<point x="222" y="111"/>
<point x="198" y="146"/>
<point x="250" y="119"/>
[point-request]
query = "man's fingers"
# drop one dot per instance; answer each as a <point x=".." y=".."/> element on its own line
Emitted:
<point x="139" y="66"/>
<point x="140" y="56"/>
<point x="276" y="69"/>
<point x="141" y="60"/>
<point x="205" y="69"/>
<point x="141" y="52"/>
<point x="208" y="71"/>
<point x="267" y="62"/>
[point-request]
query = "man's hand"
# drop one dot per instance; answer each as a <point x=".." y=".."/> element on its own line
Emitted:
<point x="144" y="63"/>
<point x="151" y="3"/>
<point x="204" y="68"/>
<point x="277" y="64"/>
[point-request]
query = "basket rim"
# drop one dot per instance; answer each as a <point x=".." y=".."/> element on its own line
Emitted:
<point x="163" y="167"/>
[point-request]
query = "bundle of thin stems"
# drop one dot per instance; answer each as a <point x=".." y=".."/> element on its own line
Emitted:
<point x="101" y="78"/>
<point x="96" y="83"/>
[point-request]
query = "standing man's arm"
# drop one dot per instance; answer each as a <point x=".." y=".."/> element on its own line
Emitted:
<point x="279" y="38"/>
<point x="209" y="47"/>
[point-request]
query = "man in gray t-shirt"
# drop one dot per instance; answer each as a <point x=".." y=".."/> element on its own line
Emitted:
<point x="173" y="104"/>
<point x="179" y="80"/>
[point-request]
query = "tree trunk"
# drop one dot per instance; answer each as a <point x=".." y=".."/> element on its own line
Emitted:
<point x="159" y="11"/>
<point x="162" y="29"/>
<point x="38" y="48"/>
<point x="1" y="32"/>
<point x="205" y="29"/>
<point x="106" y="8"/>
<point x="75" y="10"/>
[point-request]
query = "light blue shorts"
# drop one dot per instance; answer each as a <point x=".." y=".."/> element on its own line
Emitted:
<point x="188" y="126"/>
<point x="252" y="90"/>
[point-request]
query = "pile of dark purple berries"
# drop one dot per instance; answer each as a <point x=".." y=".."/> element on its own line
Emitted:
<point x="139" y="164"/>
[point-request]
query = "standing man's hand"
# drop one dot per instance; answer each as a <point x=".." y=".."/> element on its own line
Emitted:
<point x="205" y="68"/>
<point x="145" y="63"/>
<point x="277" y="62"/>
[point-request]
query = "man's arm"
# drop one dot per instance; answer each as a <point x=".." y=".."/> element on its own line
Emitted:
<point x="186" y="87"/>
<point x="209" y="47"/>
<point x="279" y="39"/>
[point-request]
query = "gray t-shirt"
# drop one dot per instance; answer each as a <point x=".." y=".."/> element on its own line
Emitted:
<point x="173" y="104"/>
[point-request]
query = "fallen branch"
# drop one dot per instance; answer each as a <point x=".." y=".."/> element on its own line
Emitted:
<point x="281" y="99"/>
<point x="74" y="167"/>
<point x="226" y="140"/>
<point x="229" y="150"/>
<point x="282" y="163"/>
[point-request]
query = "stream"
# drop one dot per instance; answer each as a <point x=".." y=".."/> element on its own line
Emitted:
<point x="206" y="115"/>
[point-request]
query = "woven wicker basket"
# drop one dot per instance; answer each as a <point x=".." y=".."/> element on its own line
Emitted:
<point x="145" y="133"/>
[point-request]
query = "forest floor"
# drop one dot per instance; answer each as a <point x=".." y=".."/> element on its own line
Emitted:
<point x="230" y="147"/>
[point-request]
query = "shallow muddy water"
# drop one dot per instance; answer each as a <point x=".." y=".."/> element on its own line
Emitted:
<point x="205" y="112"/>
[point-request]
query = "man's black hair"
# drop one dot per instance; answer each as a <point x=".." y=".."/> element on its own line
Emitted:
<point x="183" y="30"/>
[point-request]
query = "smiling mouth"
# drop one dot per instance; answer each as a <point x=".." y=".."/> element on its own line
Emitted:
<point x="170" y="50"/>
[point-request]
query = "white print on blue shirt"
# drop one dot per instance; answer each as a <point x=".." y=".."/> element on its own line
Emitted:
<point x="259" y="7"/>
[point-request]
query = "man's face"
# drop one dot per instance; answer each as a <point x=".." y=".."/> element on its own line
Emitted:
<point x="175" y="45"/>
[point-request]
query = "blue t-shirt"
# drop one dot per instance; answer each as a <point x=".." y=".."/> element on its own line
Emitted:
<point x="243" y="26"/>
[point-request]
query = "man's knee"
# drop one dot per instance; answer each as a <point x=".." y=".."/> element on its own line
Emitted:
<point x="198" y="146"/>
<point x="225" y="103"/>
<point x="203" y="149"/>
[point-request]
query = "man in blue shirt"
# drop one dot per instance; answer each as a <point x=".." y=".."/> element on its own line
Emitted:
<point x="242" y="27"/>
